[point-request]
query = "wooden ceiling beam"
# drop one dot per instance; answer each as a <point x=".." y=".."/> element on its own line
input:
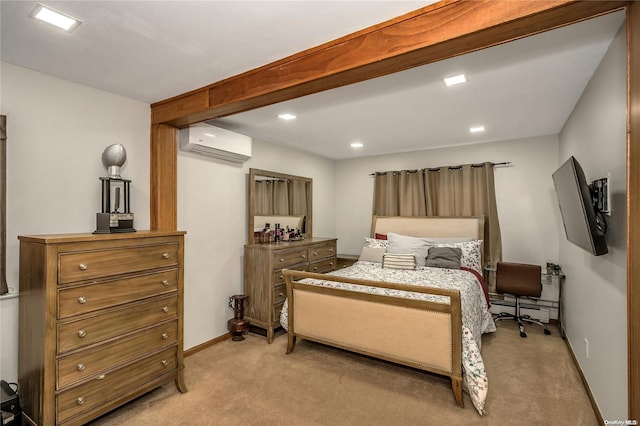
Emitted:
<point x="436" y="32"/>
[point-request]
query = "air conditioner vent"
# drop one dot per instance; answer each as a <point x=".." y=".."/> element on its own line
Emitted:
<point x="212" y="141"/>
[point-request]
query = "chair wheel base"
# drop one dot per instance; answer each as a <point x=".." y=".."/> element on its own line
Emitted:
<point x="547" y="332"/>
<point x="522" y="333"/>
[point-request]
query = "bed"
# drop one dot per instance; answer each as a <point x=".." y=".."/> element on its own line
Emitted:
<point x="430" y="318"/>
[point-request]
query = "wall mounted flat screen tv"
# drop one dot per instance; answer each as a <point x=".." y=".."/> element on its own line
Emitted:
<point x="576" y="208"/>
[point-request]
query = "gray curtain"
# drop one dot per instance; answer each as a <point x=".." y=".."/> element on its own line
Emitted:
<point x="263" y="198"/>
<point x="297" y="198"/>
<point x="385" y="194"/>
<point x="280" y="204"/>
<point x="280" y="197"/>
<point x="466" y="190"/>
<point x="411" y="194"/>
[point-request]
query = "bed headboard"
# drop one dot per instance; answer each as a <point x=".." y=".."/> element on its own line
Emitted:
<point x="430" y="226"/>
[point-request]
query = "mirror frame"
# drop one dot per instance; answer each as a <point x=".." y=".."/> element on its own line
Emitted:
<point x="276" y="175"/>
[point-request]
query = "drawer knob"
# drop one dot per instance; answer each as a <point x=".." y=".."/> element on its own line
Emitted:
<point x="281" y="259"/>
<point x="330" y="250"/>
<point x="83" y="266"/>
<point x="165" y="336"/>
<point x="81" y="367"/>
<point x="281" y="294"/>
<point x="165" y="282"/>
<point x="304" y="256"/>
<point x="165" y="255"/>
<point x="100" y="377"/>
<point x="80" y="401"/>
<point x="82" y="333"/>
<point x="315" y="268"/>
<point x="82" y="300"/>
<point x="165" y="309"/>
<point x="281" y="277"/>
<point x="315" y="253"/>
<point x="164" y="362"/>
<point x="330" y="263"/>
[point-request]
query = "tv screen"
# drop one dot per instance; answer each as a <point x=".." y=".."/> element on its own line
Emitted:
<point x="576" y="208"/>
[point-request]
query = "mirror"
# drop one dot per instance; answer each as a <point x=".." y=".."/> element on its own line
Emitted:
<point x="279" y="198"/>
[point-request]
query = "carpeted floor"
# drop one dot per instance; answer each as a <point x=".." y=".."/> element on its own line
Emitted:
<point x="532" y="381"/>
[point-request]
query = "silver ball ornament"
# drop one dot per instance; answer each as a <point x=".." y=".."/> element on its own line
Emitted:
<point x="113" y="157"/>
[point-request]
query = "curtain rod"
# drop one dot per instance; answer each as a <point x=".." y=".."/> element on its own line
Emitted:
<point x="272" y="180"/>
<point x="435" y="169"/>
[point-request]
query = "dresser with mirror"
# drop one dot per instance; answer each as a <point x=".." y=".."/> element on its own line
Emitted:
<point x="284" y="200"/>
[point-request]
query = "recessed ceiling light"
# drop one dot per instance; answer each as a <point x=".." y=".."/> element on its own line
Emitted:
<point x="53" y="17"/>
<point x="357" y="145"/>
<point x="455" y="79"/>
<point x="287" y="116"/>
<point x="476" y="129"/>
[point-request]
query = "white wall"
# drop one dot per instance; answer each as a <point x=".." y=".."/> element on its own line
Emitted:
<point x="56" y="132"/>
<point x="595" y="290"/>
<point x="527" y="206"/>
<point x="212" y="208"/>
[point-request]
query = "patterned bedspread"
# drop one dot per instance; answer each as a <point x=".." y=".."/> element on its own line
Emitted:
<point x="476" y="318"/>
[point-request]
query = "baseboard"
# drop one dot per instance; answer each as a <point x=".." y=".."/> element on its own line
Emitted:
<point x="207" y="344"/>
<point x="594" y="405"/>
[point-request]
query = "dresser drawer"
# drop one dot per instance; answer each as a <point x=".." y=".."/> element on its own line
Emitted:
<point x="323" y="266"/>
<point x="279" y="294"/>
<point x="88" y="265"/>
<point x="278" y="276"/>
<point x="75" y="334"/>
<point x="108" y="386"/>
<point x="276" y="312"/>
<point x="321" y="252"/>
<point x="86" y="363"/>
<point x="91" y="297"/>
<point x="288" y="258"/>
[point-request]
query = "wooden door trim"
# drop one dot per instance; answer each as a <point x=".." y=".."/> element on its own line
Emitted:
<point x="164" y="178"/>
<point x="633" y="208"/>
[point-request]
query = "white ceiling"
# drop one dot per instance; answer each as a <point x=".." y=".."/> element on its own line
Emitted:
<point x="152" y="50"/>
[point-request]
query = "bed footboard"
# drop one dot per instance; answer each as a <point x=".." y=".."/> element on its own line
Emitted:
<point x="420" y="334"/>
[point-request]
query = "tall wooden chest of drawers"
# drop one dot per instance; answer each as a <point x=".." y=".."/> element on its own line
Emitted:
<point x="264" y="282"/>
<point x="101" y="320"/>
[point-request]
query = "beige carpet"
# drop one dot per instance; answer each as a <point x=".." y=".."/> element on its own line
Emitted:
<point x="532" y="381"/>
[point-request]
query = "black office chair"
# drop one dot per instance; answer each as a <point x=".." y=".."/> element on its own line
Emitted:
<point x="519" y="280"/>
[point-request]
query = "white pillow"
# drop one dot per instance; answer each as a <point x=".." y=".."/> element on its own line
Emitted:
<point x="471" y="253"/>
<point x="402" y="244"/>
<point x="372" y="242"/>
<point x="372" y="254"/>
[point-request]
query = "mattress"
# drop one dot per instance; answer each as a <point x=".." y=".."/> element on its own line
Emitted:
<point x="476" y="317"/>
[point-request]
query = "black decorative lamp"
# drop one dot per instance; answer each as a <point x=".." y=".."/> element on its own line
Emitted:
<point x="114" y="191"/>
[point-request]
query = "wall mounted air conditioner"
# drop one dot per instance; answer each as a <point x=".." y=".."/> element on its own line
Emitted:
<point x="212" y="141"/>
